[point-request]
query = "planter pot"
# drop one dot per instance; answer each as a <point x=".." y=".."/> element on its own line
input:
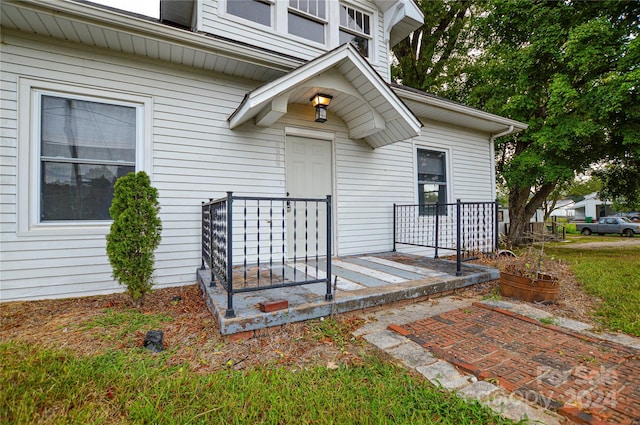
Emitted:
<point x="543" y="289"/>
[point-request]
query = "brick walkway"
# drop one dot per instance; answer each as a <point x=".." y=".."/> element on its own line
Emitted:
<point x="585" y="379"/>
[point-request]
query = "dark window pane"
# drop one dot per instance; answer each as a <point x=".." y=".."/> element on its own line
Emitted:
<point x="78" y="191"/>
<point x="87" y="130"/>
<point x="306" y="28"/>
<point x="431" y="166"/>
<point x="361" y="44"/>
<point x="252" y="10"/>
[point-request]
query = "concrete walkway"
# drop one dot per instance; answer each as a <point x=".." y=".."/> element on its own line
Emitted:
<point x="501" y="354"/>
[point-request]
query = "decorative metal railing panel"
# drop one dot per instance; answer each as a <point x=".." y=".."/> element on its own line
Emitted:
<point x="468" y="228"/>
<point x="255" y="243"/>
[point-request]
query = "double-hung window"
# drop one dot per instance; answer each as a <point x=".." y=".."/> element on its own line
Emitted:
<point x="258" y="11"/>
<point x="355" y="28"/>
<point x="308" y="19"/>
<point x="432" y="181"/>
<point x="85" y="144"/>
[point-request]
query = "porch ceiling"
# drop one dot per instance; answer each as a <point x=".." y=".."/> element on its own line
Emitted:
<point x="367" y="105"/>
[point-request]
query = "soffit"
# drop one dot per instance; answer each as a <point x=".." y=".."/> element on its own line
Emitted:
<point x="106" y="28"/>
<point x="367" y="105"/>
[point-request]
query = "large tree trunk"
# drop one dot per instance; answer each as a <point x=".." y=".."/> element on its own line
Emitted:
<point x="521" y="208"/>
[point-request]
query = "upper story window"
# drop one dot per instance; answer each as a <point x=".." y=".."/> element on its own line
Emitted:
<point x="355" y="28"/>
<point x="85" y="145"/>
<point x="254" y="10"/>
<point x="324" y="23"/>
<point x="308" y="19"/>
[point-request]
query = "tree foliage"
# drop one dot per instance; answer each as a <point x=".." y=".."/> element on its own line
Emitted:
<point x="135" y="233"/>
<point x="569" y="69"/>
<point x="434" y="56"/>
<point x="621" y="183"/>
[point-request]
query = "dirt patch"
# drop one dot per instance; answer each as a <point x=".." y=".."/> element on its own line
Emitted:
<point x="94" y="325"/>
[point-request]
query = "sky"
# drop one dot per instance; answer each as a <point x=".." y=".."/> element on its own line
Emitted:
<point x="143" y="7"/>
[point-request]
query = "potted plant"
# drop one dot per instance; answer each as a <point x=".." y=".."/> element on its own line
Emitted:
<point x="526" y="277"/>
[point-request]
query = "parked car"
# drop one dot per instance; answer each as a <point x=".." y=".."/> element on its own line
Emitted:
<point x="620" y="225"/>
<point x="634" y="216"/>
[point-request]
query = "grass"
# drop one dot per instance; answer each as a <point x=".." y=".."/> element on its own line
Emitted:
<point x="48" y="386"/>
<point x="610" y="273"/>
<point x="127" y="321"/>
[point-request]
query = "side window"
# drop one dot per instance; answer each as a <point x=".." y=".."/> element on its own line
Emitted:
<point x="432" y="181"/>
<point x="308" y="19"/>
<point x="84" y="146"/>
<point x="355" y="28"/>
<point x="258" y="11"/>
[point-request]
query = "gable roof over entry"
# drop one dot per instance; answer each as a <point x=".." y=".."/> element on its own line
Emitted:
<point x="370" y="109"/>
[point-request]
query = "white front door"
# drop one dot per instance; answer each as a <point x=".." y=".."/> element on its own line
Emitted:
<point x="309" y="172"/>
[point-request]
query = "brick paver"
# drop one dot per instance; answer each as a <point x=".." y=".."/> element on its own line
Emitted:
<point x="585" y="379"/>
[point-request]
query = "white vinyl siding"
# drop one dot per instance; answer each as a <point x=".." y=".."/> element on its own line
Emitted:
<point x="193" y="157"/>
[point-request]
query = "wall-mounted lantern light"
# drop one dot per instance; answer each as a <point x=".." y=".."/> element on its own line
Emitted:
<point x="320" y="102"/>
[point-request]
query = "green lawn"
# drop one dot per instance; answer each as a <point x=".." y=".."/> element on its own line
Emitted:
<point x="45" y="386"/>
<point x="611" y="273"/>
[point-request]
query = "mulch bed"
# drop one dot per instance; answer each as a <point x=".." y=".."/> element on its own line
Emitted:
<point x="190" y="332"/>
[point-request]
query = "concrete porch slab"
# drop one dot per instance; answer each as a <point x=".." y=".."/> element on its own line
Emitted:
<point x="358" y="282"/>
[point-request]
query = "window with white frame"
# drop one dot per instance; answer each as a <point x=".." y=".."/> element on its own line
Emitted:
<point x="84" y="145"/>
<point x="258" y="11"/>
<point x="432" y="181"/>
<point x="308" y="19"/>
<point x="355" y="28"/>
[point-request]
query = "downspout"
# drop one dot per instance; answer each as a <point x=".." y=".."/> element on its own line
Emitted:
<point x="492" y="149"/>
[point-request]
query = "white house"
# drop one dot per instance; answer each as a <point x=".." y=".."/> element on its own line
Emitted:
<point x="214" y="97"/>
<point x="564" y="208"/>
<point x="591" y="206"/>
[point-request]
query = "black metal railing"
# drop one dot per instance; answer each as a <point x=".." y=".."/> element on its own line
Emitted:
<point x="252" y="243"/>
<point x="468" y="228"/>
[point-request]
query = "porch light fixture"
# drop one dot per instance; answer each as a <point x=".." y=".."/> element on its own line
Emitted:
<point x="320" y="102"/>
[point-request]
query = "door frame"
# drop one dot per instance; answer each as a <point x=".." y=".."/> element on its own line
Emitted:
<point x="328" y="136"/>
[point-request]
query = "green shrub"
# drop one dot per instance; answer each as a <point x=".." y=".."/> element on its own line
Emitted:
<point x="135" y="233"/>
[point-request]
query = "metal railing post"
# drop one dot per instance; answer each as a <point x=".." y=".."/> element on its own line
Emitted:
<point x="458" y="239"/>
<point x="229" y="313"/>
<point x="329" y="295"/>
<point x="497" y="225"/>
<point x="394" y="227"/>
<point x="437" y="235"/>
<point x="202" y="240"/>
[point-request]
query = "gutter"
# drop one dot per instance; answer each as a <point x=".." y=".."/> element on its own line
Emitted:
<point x="504" y="133"/>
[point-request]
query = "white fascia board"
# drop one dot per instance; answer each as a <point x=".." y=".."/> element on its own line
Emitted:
<point x="254" y="101"/>
<point x="123" y="22"/>
<point x="459" y="108"/>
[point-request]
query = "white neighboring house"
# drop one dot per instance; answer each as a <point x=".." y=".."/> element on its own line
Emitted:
<point x="209" y="99"/>
<point x="564" y="208"/>
<point x="591" y="206"/>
